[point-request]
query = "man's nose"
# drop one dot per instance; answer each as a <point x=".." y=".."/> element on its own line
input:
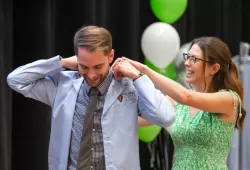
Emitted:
<point x="91" y="74"/>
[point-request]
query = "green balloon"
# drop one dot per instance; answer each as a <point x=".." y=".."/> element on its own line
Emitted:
<point x="169" y="71"/>
<point x="168" y="11"/>
<point x="148" y="133"/>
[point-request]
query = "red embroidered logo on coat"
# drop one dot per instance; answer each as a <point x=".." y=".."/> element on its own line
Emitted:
<point x="120" y="97"/>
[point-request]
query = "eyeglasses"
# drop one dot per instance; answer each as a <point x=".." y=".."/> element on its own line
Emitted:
<point x="192" y="58"/>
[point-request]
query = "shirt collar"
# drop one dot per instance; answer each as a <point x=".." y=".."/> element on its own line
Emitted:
<point x="103" y="87"/>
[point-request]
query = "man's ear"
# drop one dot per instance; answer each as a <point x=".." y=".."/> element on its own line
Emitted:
<point x="111" y="56"/>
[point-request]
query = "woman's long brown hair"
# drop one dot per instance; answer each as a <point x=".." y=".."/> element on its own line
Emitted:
<point x="216" y="51"/>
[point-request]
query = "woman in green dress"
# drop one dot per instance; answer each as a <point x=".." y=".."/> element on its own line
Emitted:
<point x="206" y="115"/>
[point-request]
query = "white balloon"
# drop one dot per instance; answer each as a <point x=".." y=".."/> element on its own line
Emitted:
<point x="160" y="43"/>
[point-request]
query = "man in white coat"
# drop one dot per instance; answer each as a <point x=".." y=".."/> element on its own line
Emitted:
<point x="120" y="102"/>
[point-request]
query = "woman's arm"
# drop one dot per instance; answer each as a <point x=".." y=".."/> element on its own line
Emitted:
<point x="218" y="102"/>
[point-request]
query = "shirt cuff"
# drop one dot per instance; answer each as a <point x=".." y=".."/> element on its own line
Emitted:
<point x="140" y="82"/>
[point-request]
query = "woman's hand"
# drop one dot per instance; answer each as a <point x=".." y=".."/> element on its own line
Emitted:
<point x="139" y="66"/>
<point x="123" y="68"/>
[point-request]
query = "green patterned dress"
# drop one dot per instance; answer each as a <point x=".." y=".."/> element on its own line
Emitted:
<point x="202" y="141"/>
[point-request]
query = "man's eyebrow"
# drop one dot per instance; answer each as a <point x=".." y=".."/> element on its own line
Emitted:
<point x="99" y="65"/>
<point x="82" y="65"/>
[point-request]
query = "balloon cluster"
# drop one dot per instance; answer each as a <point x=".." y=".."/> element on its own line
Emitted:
<point x="179" y="64"/>
<point x="160" y="44"/>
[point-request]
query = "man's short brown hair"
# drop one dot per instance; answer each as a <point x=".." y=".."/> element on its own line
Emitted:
<point x="93" y="38"/>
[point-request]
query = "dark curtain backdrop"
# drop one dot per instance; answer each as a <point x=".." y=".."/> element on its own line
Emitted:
<point x="31" y="30"/>
<point x="5" y="93"/>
